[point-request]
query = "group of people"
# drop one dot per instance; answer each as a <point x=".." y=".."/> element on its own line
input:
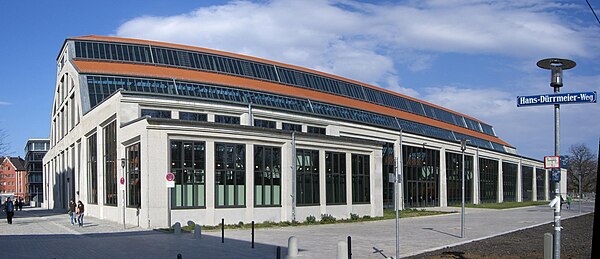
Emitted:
<point x="76" y="211"/>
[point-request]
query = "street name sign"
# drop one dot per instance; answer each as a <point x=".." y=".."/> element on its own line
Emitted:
<point x="564" y="98"/>
<point x="551" y="162"/>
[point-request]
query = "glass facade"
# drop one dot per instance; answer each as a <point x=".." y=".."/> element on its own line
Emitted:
<point x="315" y="130"/>
<point x="230" y="175"/>
<point x="156" y="113"/>
<point x="335" y="178"/>
<point x="136" y="53"/>
<point x="540" y="179"/>
<point x="361" y="179"/>
<point x="421" y="176"/>
<point x="110" y="164"/>
<point x="264" y="123"/>
<point x="291" y="127"/>
<point x="488" y="180"/>
<point x="509" y="181"/>
<point x="267" y="176"/>
<point x="100" y="87"/>
<point x="192" y="116"/>
<point x="527" y="187"/>
<point x="307" y="177"/>
<point x="92" y="172"/>
<point x="134" y="190"/>
<point x="188" y="163"/>
<point x="389" y="166"/>
<point x="454" y="178"/>
<point x="227" y="119"/>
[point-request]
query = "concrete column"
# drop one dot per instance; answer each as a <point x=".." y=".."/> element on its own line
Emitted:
<point x="397" y="154"/>
<point x="348" y="183"/>
<point x="249" y="183"/>
<point x="210" y="184"/>
<point x="376" y="176"/>
<point x="322" y="184"/>
<point x="476" y="178"/>
<point x="519" y="182"/>
<point x="286" y="181"/>
<point x="534" y="187"/>
<point x="443" y="191"/>
<point x="500" y="182"/>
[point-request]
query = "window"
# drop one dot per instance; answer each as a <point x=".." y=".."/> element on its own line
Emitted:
<point x="188" y="163"/>
<point x="133" y="175"/>
<point x="315" y="130"/>
<point x="335" y="177"/>
<point x="421" y="176"/>
<point x="230" y="175"/>
<point x="227" y="119"/>
<point x="264" y="124"/>
<point x="361" y="179"/>
<point x="110" y="164"/>
<point x="267" y="176"/>
<point x="454" y="178"/>
<point x="488" y="180"/>
<point x="527" y="187"/>
<point x="307" y="177"/>
<point x="540" y="176"/>
<point x="291" y="127"/>
<point x="509" y="181"/>
<point x="156" y="113"/>
<point x="92" y="176"/>
<point x="192" y="116"/>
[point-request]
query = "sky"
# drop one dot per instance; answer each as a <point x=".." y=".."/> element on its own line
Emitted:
<point x="471" y="56"/>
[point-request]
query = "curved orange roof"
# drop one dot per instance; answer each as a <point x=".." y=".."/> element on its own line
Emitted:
<point x="234" y="55"/>
<point x="141" y="70"/>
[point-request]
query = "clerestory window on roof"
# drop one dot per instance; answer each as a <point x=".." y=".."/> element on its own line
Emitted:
<point x="239" y="67"/>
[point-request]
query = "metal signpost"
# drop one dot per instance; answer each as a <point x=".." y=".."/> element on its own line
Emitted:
<point x="170" y="184"/>
<point x="556" y="66"/>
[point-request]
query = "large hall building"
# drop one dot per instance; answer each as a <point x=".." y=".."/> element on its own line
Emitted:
<point x="249" y="139"/>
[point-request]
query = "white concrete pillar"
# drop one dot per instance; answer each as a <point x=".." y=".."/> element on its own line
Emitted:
<point x="443" y="191"/>
<point x="500" y="182"/>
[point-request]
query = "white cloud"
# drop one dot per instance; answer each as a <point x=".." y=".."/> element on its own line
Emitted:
<point x="364" y="41"/>
<point x="5" y="103"/>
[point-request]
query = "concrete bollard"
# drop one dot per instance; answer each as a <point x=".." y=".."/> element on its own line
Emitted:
<point x="548" y="246"/>
<point x="197" y="232"/>
<point x="342" y="250"/>
<point x="177" y="229"/>
<point x="292" y="247"/>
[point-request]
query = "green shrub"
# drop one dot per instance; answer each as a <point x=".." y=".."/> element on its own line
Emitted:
<point x="240" y="224"/>
<point x="366" y="217"/>
<point x="327" y="218"/>
<point x="311" y="219"/>
<point x="354" y="216"/>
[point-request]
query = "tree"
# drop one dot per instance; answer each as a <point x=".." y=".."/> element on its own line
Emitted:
<point x="582" y="162"/>
<point x="4" y="145"/>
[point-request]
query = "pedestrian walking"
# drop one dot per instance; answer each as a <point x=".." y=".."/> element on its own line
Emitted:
<point x="72" y="213"/>
<point x="569" y="200"/>
<point x="21" y="202"/>
<point x="80" y="211"/>
<point x="9" y="208"/>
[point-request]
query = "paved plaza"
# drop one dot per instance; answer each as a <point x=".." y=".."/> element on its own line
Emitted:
<point x="37" y="233"/>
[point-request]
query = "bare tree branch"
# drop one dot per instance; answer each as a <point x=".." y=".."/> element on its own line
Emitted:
<point x="582" y="162"/>
<point x="4" y="144"/>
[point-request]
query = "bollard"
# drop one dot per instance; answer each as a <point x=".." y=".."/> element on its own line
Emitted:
<point x="342" y="250"/>
<point x="349" y="247"/>
<point x="253" y="234"/>
<point x="197" y="232"/>
<point x="292" y="247"/>
<point x="222" y="230"/>
<point x="179" y="256"/>
<point x="279" y="252"/>
<point x="177" y="229"/>
<point x="548" y="251"/>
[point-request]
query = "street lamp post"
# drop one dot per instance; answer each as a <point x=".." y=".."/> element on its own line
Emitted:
<point x="463" y="147"/>
<point x="556" y="66"/>
<point x="123" y="162"/>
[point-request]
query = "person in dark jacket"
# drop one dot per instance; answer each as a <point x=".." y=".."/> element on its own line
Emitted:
<point x="80" y="210"/>
<point x="9" y="208"/>
<point x="72" y="212"/>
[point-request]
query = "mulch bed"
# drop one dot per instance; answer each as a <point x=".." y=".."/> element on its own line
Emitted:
<point x="576" y="242"/>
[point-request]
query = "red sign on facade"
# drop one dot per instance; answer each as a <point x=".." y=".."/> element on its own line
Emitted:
<point x="170" y="176"/>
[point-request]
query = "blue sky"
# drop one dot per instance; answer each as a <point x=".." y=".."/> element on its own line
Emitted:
<point x="472" y="56"/>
